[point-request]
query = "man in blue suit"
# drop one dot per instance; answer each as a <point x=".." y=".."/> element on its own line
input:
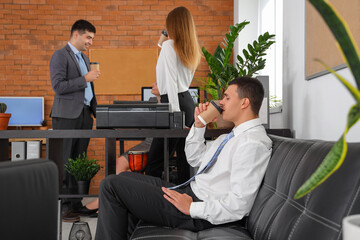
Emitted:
<point x="74" y="101"/>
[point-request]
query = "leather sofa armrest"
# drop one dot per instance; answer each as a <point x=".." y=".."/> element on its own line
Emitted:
<point x="29" y="197"/>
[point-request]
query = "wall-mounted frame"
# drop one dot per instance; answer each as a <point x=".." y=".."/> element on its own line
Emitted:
<point x="321" y="44"/>
<point x="124" y="71"/>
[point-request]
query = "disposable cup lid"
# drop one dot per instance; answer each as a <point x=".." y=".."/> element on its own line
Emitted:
<point x="216" y="106"/>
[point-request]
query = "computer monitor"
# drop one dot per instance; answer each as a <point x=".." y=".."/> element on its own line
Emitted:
<point x="25" y="111"/>
<point x="146" y="94"/>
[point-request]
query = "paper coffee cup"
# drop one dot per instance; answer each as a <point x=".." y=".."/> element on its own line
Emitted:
<point x="213" y="110"/>
<point x="95" y="66"/>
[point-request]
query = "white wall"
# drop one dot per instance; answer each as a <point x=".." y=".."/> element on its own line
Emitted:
<point x="314" y="109"/>
<point x="245" y="10"/>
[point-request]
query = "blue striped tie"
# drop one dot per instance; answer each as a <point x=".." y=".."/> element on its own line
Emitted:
<point x="210" y="163"/>
<point x="88" y="91"/>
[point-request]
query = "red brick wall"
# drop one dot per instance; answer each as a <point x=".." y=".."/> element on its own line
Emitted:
<point x="31" y="30"/>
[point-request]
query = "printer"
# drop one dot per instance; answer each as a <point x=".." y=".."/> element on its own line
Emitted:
<point x="138" y="114"/>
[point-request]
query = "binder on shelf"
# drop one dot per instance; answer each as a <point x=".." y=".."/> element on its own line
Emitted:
<point x="33" y="149"/>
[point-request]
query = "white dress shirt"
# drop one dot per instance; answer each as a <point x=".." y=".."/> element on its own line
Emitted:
<point x="172" y="77"/>
<point x="228" y="189"/>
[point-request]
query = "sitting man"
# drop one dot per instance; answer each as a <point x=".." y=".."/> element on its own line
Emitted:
<point x="224" y="192"/>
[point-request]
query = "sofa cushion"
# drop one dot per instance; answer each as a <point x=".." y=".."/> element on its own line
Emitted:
<point x="228" y="231"/>
<point x="318" y="215"/>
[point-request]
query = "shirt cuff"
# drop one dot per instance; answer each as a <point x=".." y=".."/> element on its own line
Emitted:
<point x="197" y="133"/>
<point x="197" y="210"/>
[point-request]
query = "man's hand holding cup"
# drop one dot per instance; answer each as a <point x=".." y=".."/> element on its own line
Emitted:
<point x="94" y="72"/>
<point x="92" y="75"/>
<point x="207" y="112"/>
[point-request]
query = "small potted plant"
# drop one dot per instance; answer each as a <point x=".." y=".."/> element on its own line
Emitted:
<point x="4" y="117"/>
<point x="83" y="169"/>
<point x="43" y="125"/>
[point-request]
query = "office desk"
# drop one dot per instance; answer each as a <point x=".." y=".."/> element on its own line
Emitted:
<point x="54" y="142"/>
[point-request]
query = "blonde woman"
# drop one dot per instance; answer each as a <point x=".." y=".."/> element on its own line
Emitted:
<point x="179" y="57"/>
<point x="178" y="60"/>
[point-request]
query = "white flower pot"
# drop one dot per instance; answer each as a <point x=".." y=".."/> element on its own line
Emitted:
<point x="351" y="227"/>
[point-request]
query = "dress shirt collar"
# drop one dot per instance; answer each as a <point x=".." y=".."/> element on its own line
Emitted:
<point x="74" y="49"/>
<point x="246" y="126"/>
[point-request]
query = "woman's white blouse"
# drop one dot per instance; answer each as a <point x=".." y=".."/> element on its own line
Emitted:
<point x="172" y="77"/>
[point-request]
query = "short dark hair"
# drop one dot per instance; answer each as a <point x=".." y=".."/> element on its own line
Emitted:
<point x="252" y="89"/>
<point x="81" y="26"/>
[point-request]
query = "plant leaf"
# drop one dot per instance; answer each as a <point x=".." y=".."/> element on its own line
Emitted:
<point x="246" y="54"/>
<point x="331" y="162"/>
<point x="354" y="92"/>
<point x="251" y="50"/>
<point x="231" y="37"/>
<point x="213" y="64"/>
<point x="82" y="168"/>
<point x="333" y="159"/>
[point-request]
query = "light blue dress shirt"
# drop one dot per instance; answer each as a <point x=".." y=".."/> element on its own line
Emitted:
<point x="88" y="90"/>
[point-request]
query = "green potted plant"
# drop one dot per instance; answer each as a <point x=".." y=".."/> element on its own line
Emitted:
<point x="337" y="154"/>
<point x="222" y="71"/>
<point x="4" y="117"/>
<point x="83" y="169"/>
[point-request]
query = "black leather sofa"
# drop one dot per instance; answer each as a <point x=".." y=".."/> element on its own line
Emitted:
<point x="275" y="214"/>
<point x="28" y="200"/>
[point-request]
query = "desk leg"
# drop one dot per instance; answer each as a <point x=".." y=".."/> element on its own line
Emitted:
<point x="4" y="149"/>
<point x="122" y="148"/>
<point x="166" y="159"/>
<point x="54" y="152"/>
<point x="110" y="156"/>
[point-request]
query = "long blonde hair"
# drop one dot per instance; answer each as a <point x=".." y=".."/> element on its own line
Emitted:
<point x="181" y="28"/>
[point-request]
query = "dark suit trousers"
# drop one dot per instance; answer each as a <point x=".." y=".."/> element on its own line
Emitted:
<point x="73" y="146"/>
<point x="128" y="197"/>
<point x="155" y="164"/>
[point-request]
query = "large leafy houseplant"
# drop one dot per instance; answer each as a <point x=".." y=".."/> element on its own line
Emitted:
<point x="82" y="168"/>
<point x="348" y="48"/>
<point x="223" y="71"/>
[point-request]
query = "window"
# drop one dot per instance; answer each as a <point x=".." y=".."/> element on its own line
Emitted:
<point x="264" y="16"/>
